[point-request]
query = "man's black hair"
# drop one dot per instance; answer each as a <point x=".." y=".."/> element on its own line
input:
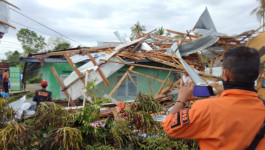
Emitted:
<point x="243" y="63"/>
<point x="44" y="86"/>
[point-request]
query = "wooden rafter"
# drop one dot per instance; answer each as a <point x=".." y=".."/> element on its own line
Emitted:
<point x="62" y="86"/>
<point x="80" y="75"/>
<point x="120" y="81"/>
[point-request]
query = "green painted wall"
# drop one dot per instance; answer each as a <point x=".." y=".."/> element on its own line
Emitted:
<point x="142" y="82"/>
<point x="53" y="85"/>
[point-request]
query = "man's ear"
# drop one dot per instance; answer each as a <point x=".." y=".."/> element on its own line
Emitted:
<point x="227" y="75"/>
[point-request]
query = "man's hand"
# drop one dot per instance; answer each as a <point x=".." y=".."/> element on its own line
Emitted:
<point x="219" y="88"/>
<point x="185" y="95"/>
<point x="186" y="92"/>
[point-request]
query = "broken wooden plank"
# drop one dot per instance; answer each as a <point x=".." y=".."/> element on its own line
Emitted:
<point x="132" y="80"/>
<point x="80" y="75"/>
<point x="120" y="81"/>
<point x="145" y="66"/>
<point x="153" y="78"/>
<point x="10" y="4"/>
<point x="62" y="86"/>
<point x="163" y="84"/>
<point x="7" y="24"/>
<point x="151" y="90"/>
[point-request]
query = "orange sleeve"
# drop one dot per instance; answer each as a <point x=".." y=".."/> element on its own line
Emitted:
<point x="188" y="123"/>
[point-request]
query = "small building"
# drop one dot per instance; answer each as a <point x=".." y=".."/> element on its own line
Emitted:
<point x="141" y="79"/>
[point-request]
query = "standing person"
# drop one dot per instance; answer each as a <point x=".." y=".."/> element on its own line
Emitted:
<point x="5" y="81"/>
<point x="230" y="121"/>
<point x="42" y="95"/>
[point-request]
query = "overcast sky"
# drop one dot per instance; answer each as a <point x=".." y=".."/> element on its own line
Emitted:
<point x="89" y="21"/>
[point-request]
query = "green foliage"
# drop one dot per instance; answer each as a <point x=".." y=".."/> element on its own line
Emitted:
<point x="62" y="46"/>
<point x="91" y="85"/>
<point x="260" y="11"/>
<point x="6" y="114"/>
<point x="36" y="79"/>
<point x="139" y="113"/>
<point x="87" y="115"/>
<point x="31" y="42"/>
<point x="146" y="103"/>
<point x="12" y="58"/>
<point x="100" y="147"/>
<point x="160" y="31"/>
<point x="58" y="43"/>
<point x="56" y="128"/>
<point x="15" y="136"/>
<point x="121" y="134"/>
<point x="65" y="138"/>
<point x="50" y="115"/>
<point x="137" y="30"/>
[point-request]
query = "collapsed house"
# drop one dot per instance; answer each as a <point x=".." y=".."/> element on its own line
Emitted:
<point x="150" y="64"/>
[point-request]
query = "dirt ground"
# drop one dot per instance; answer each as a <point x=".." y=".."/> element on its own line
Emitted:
<point x="33" y="87"/>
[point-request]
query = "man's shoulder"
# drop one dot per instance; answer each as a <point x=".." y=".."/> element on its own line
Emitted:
<point x="38" y="90"/>
<point x="206" y="102"/>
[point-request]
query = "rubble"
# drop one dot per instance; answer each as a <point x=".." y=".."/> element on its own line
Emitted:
<point x="202" y="47"/>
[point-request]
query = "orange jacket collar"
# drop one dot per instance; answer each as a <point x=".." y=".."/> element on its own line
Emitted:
<point x="239" y="92"/>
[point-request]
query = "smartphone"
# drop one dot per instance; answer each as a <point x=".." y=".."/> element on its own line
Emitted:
<point x="203" y="91"/>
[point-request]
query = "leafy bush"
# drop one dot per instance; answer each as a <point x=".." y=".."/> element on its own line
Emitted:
<point x="36" y="79"/>
<point x="15" y="136"/>
<point x="65" y="138"/>
<point x="51" y="115"/>
<point x="6" y="113"/>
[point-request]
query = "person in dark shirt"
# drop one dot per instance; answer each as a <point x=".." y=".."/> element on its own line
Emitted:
<point x="42" y="95"/>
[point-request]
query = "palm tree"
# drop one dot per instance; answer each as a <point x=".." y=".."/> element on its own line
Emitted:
<point x="160" y="31"/>
<point x="137" y="30"/>
<point x="260" y="11"/>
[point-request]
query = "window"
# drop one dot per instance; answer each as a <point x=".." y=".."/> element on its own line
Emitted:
<point x="127" y="88"/>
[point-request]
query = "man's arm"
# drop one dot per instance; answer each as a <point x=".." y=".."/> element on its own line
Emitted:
<point x="185" y="95"/>
<point x="50" y="96"/>
<point x="35" y="97"/>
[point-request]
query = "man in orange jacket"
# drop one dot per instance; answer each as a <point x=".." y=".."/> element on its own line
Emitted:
<point x="230" y="121"/>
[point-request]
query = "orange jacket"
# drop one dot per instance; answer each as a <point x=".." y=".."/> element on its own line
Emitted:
<point x="228" y="122"/>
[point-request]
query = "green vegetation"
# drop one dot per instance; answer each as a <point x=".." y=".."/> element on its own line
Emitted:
<point x="31" y="42"/>
<point x="160" y="31"/>
<point x="53" y="127"/>
<point x="137" y="30"/>
<point x="260" y="11"/>
<point x="58" y="43"/>
<point x="36" y="79"/>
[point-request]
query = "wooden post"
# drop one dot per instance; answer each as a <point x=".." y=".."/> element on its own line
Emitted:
<point x="62" y="86"/>
<point x="211" y="66"/>
<point x="99" y="70"/>
<point x="153" y="78"/>
<point x="163" y="84"/>
<point x="80" y="75"/>
<point x="132" y="80"/>
<point x="121" y="80"/>
<point x="24" y="76"/>
<point x="151" y="90"/>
